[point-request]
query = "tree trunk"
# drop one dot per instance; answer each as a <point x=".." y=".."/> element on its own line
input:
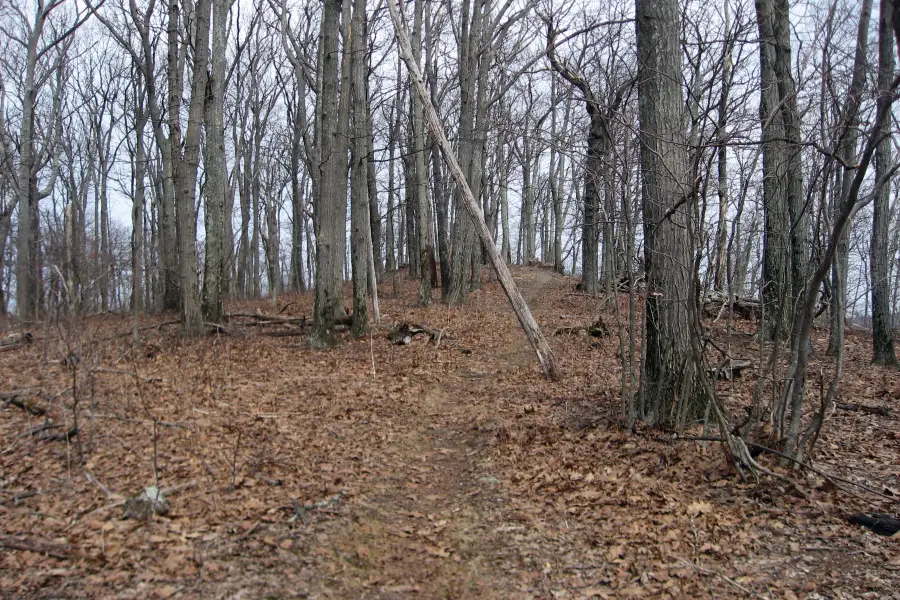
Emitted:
<point x="331" y="202"/>
<point x="187" y="167"/>
<point x="848" y="150"/>
<point x="470" y="42"/>
<point x="882" y="339"/>
<point x="359" y="166"/>
<point x="423" y="223"/>
<point x="671" y="395"/>
<point x="214" y="278"/>
<point x="776" y="292"/>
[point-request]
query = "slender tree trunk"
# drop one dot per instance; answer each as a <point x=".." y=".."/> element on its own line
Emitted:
<point x="848" y="150"/>
<point x="359" y="161"/>
<point x="882" y="339"/>
<point x="186" y="174"/>
<point x="137" y="209"/>
<point x="464" y="232"/>
<point x="27" y="240"/>
<point x="214" y="278"/>
<point x="423" y="223"/>
<point x="390" y="238"/>
<point x="776" y="292"/>
<point x="529" y="325"/>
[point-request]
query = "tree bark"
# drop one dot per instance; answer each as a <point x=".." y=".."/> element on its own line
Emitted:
<point x="187" y="166"/>
<point x="331" y="202"/>
<point x="847" y="150"/>
<point x="883" y="352"/>
<point x="671" y="394"/>
<point x="214" y="278"/>
<point x="359" y="161"/>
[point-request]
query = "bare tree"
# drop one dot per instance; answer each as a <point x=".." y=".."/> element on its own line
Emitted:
<point x="670" y="392"/>
<point x="45" y="41"/>
<point x="882" y="339"/>
<point x="214" y="274"/>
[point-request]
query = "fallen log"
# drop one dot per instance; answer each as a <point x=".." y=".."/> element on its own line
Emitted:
<point x="471" y="204"/>
<point x="264" y="319"/>
<point x="402" y="334"/>
<point x="730" y="369"/>
<point x="869" y="410"/>
<point x="597" y="329"/>
<point x="39" y="546"/>
<point x="880" y="524"/>
<point x="716" y="304"/>
<point x="20" y="399"/>
<point x="60" y="437"/>
<point x="267" y="319"/>
<point x="15" y="340"/>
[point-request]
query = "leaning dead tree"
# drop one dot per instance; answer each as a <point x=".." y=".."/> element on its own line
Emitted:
<point x="523" y="313"/>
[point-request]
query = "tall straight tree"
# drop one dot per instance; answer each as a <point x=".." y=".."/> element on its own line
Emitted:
<point x="186" y="154"/>
<point x="359" y="167"/>
<point x="423" y="223"/>
<point x="331" y="200"/>
<point x="143" y="57"/>
<point x="214" y="275"/>
<point x="848" y="150"/>
<point x="882" y="339"/>
<point x="470" y="45"/>
<point x="776" y="238"/>
<point x="599" y="147"/>
<point x="670" y="393"/>
<point x="786" y="238"/>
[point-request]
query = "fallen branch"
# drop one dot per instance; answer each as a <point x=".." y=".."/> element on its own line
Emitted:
<point x="300" y="510"/>
<point x="61" y="551"/>
<point x="827" y="476"/>
<point x="597" y="329"/>
<point x="58" y="437"/>
<point x="165" y="492"/>
<point x="730" y="369"/>
<point x="265" y="319"/>
<point x="704" y="571"/>
<point x="881" y="411"/>
<point x="15" y="340"/>
<point x="880" y="524"/>
<point x="402" y="334"/>
<point x="520" y="307"/>
<point x="16" y="398"/>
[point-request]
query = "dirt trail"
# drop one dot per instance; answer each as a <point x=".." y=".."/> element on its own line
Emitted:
<point x="452" y="471"/>
<point x="437" y="524"/>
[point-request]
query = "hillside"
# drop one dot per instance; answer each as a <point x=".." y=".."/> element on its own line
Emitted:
<point x="433" y="470"/>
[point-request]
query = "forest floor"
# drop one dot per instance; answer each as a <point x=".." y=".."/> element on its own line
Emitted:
<point x="450" y="470"/>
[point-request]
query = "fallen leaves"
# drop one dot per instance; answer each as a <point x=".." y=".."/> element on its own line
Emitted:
<point x="460" y="475"/>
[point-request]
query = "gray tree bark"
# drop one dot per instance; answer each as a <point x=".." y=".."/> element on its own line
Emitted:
<point x="422" y="213"/>
<point x="671" y="394"/>
<point x="214" y="277"/>
<point x="359" y="167"/>
<point x="187" y="160"/>
<point x="529" y="325"/>
<point x="883" y="352"/>
<point x="331" y="201"/>
<point x="848" y="151"/>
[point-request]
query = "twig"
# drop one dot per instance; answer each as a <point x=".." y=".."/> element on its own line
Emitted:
<point x="123" y="372"/>
<point x="704" y="571"/>
<point x="817" y="471"/>
<point x="164" y="491"/>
